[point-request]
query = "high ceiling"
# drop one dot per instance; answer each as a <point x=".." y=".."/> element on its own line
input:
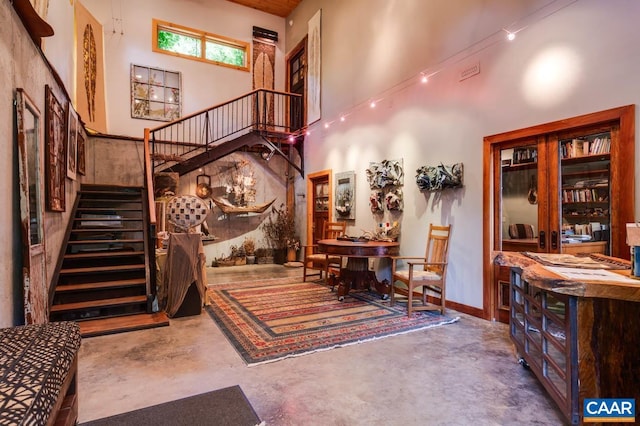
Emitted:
<point x="275" y="7"/>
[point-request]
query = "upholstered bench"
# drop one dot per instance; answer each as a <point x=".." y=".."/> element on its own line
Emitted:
<point x="38" y="366"/>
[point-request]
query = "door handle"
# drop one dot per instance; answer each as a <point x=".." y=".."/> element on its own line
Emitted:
<point x="554" y="240"/>
<point x="542" y="239"/>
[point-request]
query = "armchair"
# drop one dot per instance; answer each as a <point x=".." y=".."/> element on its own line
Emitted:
<point x="428" y="272"/>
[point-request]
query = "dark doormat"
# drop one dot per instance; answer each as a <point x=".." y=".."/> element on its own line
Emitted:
<point x="223" y="407"/>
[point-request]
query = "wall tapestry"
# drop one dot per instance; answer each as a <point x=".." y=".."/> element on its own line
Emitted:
<point x="437" y="178"/>
<point x="313" y="72"/>
<point x="55" y="167"/>
<point x="90" y="97"/>
<point x="264" y="57"/>
<point x="72" y="142"/>
<point x="345" y="195"/>
<point x="155" y="93"/>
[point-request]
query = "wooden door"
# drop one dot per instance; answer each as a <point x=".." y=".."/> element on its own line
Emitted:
<point x="31" y="169"/>
<point x="296" y="79"/>
<point x="319" y="204"/>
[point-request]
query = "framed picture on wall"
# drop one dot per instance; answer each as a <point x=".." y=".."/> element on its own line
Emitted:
<point x="55" y="167"/>
<point x="72" y="142"/>
<point x="81" y="149"/>
<point x="155" y="93"/>
<point x="345" y="184"/>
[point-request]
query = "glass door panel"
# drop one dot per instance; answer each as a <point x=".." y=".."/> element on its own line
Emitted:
<point x="585" y="166"/>
<point x="519" y="198"/>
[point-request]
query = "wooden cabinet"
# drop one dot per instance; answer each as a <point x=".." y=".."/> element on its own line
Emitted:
<point x="571" y="181"/>
<point x="578" y="338"/>
<point x="540" y="327"/>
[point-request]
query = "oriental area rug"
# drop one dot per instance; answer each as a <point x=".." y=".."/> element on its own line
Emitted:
<point x="270" y="321"/>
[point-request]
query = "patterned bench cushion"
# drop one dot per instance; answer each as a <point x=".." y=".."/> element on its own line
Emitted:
<point x="34" y="362"/>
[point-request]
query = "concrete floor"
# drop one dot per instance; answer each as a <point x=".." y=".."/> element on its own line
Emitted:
<point x="460" y="374"/>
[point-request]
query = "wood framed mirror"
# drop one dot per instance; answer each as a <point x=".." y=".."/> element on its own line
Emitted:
<point x="31" y="167"/>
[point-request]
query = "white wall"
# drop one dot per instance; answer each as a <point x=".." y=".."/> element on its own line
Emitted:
<point x="570" y="58"/>
<point x="203" y="85"/>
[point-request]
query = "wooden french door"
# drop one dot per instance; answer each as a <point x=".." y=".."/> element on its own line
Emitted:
<point x="561" y="187"/>
<point x="523" y="209"/>
<point x="319" y="204"/>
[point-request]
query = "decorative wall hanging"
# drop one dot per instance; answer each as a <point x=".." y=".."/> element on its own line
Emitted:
<point x="384" y="174"/>
<point x="345" y="195"/>
<point x="155" y="93"/>
<point x="264" y="58"/>
<point x="90" y="98"/>
<point x="72" y="142"/>
<point x="437" y="178"/>
<point x="375" y="201"/>
<point x="203" y="186"/>
<point x="240" y="191"/>
<point x="55" y="169"/>
<point x="82" y="138"/>
<point x="313" y="72"/>
<point x="186" y="212"/>
<point x="394" y="200"/>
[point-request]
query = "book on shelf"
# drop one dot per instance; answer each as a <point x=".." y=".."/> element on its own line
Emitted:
<point x="583" y="147"/>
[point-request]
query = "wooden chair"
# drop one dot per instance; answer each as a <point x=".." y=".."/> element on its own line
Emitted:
<point x="428" y="272"/>
<point x="320" y="261"/>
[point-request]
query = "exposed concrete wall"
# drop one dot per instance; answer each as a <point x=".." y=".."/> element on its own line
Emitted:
<point x="112" y="161"/>
<point x="22" y="66"/>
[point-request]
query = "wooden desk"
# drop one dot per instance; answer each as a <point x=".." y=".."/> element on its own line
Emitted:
<point x="356" y="275"/>
<point x="580" y="338"/>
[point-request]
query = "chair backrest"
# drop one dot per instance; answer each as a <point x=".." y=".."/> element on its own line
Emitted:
<point x="334" y="229"/>
<point x="437" y="247"/>
<point x="521" y="230"/>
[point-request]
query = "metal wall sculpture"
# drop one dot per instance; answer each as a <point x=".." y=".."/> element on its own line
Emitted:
<point x="437" y="178"/>
<point x="385" y="179"/>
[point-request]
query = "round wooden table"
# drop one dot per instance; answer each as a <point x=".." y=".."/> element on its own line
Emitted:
<point x="356" y="275"/>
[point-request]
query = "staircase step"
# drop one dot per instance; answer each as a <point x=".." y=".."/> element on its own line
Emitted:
<point x="98" y="327"/>
<point x="130" y="241"/>
<point x="115" y="194"/>
<point x="63" y="288"/>
<point x="102" y="219"/>
<point x="101" y="254"/>
<point x="109" y="209"/>
<point x="119" y="301"/>
<point x="97" y="269"/>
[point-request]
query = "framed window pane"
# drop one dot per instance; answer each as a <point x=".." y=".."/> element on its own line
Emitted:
<point x="178" y="43"/>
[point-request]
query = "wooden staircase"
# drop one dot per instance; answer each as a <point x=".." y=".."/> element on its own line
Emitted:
<point x="104" y="280"/>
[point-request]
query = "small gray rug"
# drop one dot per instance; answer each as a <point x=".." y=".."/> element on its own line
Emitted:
<point x="223" y="407"/>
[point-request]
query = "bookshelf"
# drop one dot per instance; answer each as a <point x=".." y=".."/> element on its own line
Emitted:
<point x="585" y="173"/>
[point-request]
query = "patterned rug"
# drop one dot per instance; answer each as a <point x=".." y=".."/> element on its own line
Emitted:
<point x="270" y="321"/>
